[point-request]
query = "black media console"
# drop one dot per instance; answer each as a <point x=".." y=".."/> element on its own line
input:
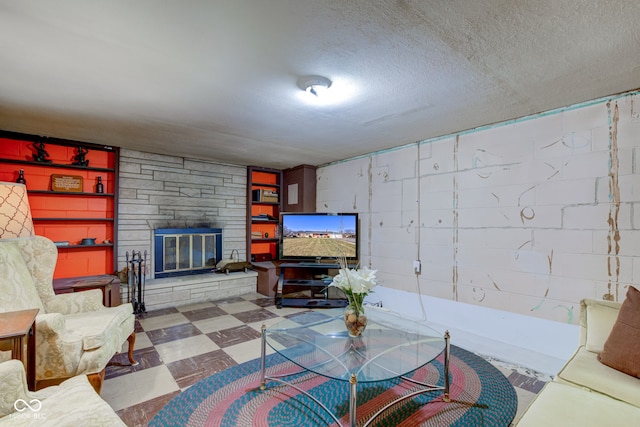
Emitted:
<point x="306" y="284"/>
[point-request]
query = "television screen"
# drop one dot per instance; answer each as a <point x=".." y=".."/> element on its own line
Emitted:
<point x="314" y="236"/>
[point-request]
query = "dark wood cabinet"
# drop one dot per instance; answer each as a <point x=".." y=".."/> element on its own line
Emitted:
<point x="306" y="284"/>
<point x="299" y="189"/>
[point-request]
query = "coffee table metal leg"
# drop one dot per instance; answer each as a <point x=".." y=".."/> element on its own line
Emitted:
<point x="353" y="400"/>
<point x="263" y="351"/>
<point x="447" y="338"/>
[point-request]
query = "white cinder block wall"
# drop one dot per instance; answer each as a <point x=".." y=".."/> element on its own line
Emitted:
<point x="154" y="188"/>
<point x="513" y="223"/>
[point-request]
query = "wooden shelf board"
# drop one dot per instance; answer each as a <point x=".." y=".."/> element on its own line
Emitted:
<point x="74" y="219"/>
<point x="70" y="193"/>
<point x="55" y="165"/>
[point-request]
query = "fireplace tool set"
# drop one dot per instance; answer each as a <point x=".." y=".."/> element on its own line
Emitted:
<point x="136" y="267"/>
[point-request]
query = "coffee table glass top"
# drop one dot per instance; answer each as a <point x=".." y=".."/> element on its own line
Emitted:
<point x="389" y="347"/>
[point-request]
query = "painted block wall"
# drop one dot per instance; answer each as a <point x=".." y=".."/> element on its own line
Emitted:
<point x="526" y="217"/>
<point x="156" y="189"/>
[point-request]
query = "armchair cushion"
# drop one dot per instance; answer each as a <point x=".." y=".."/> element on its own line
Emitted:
<point x="622" y="348"/>
<point x="96" y="327"/>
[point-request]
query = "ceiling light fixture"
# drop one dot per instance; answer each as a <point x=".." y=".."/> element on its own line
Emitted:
<point x="314" y="85"/>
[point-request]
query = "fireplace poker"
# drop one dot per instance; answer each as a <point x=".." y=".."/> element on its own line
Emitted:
<point x="141" y="279"/>
<point x="131" y="283"/>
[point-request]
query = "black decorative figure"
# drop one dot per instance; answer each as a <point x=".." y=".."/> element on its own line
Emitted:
<point x="79" y="159"/>
<point x="41" y="154"/>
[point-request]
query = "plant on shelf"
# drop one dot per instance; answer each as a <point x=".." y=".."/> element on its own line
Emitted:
<point x="356" y="283"/>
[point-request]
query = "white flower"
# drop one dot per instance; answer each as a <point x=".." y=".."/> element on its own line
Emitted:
<point x="353" y="281"/>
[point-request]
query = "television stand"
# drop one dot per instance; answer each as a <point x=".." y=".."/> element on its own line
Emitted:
<point x="306" y="284"/>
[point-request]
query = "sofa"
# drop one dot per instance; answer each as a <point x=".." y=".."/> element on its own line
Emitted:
<point x="72" y="403"/>
<point x="75" y="333"/>
<point x="588" y="391"/>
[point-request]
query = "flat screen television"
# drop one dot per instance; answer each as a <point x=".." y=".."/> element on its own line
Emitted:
<point x="318" y="236"/>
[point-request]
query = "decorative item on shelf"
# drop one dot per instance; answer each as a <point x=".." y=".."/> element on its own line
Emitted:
<point x="88" y="241"/>
<point x="21" y="179"/>
<point x="66" y="183"/>
<point x="79" y="159"/>
<point x="264" y="196"/>
<point x="356" y="285"/>
<point x="99" y="186"/>
<point x="234" y="263"/>
<point x="41" y="154"/>
<point x="263" y="217"/>
<point x="261" y="257"/>
<point x="15" y="213"/>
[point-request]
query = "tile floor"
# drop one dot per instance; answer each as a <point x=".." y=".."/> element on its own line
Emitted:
<point x="177" y="347"/>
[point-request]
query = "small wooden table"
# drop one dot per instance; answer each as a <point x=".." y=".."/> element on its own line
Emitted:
<point x="15" y="326"/>
<point x="103" y="284"/>
<point x="108" y="284"/>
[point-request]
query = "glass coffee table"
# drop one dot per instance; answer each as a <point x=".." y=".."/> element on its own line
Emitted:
<point x="390" y="348"/>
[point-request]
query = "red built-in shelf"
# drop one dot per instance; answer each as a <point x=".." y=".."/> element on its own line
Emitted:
<point x="68" y="216"/>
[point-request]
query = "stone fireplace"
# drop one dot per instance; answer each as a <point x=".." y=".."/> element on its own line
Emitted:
<point x="158" y="191"/>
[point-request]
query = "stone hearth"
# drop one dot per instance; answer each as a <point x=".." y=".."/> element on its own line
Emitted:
<point x="184" y="290"/>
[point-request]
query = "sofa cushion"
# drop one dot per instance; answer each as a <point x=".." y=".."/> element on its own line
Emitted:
<point x="565" y="405"/>
<point x="622" y="348"/>
<point x="584" y="370"/>
<point x="17" y="290"/>
<point x="597" y="317"/>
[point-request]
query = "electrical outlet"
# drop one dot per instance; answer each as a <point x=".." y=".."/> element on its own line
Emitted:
<point x="417" y="267"/>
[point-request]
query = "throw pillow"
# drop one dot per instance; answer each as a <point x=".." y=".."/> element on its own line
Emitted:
<point x="622" y="348"/>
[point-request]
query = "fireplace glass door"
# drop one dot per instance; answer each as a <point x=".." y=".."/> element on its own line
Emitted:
<point x="181" y="252"/>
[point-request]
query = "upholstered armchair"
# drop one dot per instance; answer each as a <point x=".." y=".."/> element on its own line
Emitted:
<point x="72" y="403"/>
<point x="75" y="333"/>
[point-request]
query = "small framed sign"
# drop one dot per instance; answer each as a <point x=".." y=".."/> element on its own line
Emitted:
<point x="66" y="183"/>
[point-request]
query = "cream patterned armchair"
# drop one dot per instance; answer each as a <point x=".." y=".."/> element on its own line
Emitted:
<point x="75" y="333"/>
<point x="72" y="403"/>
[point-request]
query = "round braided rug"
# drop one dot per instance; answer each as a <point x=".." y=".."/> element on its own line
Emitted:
<point x="480" y="396"/>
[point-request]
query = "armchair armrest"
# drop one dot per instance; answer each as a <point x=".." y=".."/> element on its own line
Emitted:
<point x="14" y="387"/>
<point x="54" y="342"/>
<point x="76" y="302"/>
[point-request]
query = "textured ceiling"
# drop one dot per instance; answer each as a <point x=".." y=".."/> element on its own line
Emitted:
<point x="217" y="79"/>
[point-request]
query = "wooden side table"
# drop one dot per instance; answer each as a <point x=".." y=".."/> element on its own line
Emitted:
<point x="103" y="285"/>
<point x="15" y="326"/>
<point x="108" y="284"/>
